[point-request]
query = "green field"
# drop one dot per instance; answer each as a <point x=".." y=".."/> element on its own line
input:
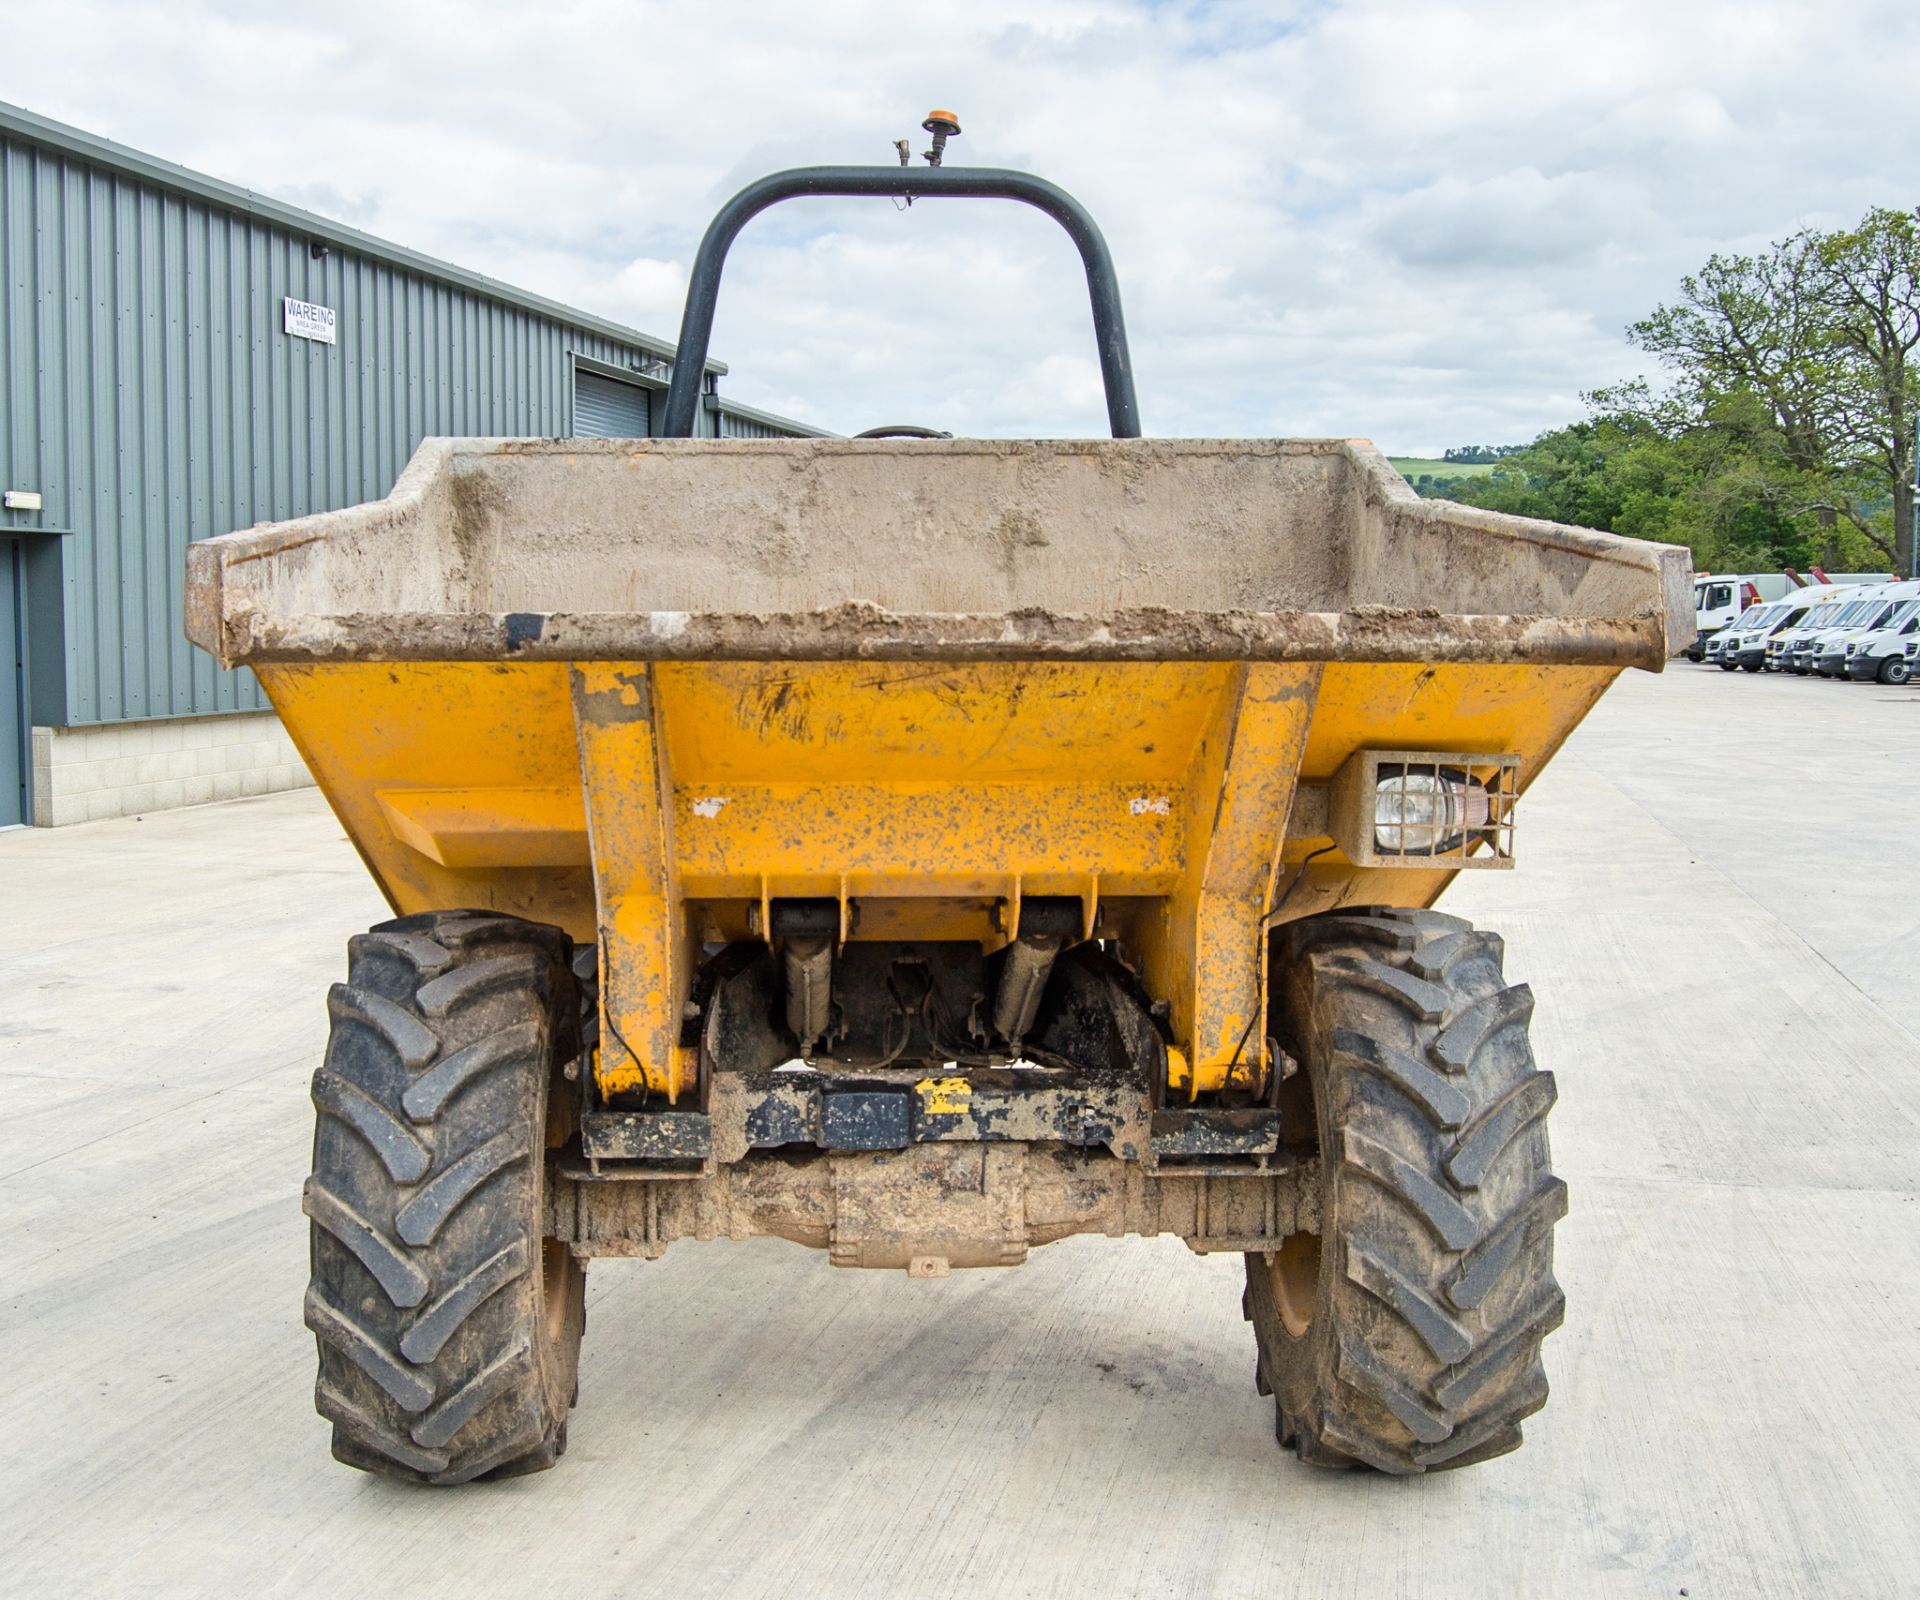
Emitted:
<point x="1412" y="466"/>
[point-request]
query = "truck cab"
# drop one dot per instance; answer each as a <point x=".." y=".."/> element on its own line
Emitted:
<point x="1718" y="602"/>
<point x="1723" y="599"/>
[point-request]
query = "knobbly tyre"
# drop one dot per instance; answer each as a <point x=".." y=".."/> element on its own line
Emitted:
<point x="1080" y="852"/>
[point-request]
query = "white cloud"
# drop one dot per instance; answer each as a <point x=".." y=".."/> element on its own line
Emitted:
<point x="1427" y="223"/>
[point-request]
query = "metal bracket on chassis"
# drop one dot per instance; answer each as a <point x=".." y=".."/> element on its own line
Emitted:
<point x="891" y="1109"/>
<point x="1098" y="1055"/>
<point x="932" y="1206"/>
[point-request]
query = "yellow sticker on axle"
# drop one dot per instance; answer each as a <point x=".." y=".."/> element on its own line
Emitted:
<point x="944" y="1097"/>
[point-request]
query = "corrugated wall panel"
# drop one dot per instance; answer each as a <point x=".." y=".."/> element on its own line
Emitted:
<point x="153" y="398"/>
<point x="735" y="426"/>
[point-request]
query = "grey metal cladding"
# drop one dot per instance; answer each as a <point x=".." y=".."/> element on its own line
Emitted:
<point x="153" y="397"/>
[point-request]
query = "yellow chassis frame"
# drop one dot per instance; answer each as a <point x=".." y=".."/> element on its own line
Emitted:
<point x="653" y="807"/>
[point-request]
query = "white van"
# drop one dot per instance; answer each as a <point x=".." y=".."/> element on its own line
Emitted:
<point x="1881" y="652"/>
<point x="1825" y="604"/>
<point x="1795" y="649"/>
<point x="1746" y="641"/>
<point x="1812" y="647"/>
<point x="1712" y="651"/>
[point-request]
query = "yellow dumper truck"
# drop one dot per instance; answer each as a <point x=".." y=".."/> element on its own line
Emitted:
<point x="923" y="850"/>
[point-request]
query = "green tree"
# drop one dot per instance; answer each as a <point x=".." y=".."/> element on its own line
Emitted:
<point x="1801" y="359"/>
<point x="1625" y="471"/>
<point x="1873" y="287"/>
<point x="1784" y="434"/>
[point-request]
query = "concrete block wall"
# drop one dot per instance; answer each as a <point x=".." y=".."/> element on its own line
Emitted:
<point x="124" y="769"/>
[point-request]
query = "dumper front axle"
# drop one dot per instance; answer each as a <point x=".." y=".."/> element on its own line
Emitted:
<point x="932" y="1207"/>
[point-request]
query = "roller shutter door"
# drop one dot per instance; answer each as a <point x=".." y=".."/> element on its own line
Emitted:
<point x="605" y="408"/>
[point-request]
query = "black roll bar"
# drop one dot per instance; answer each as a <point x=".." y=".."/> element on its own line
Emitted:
<point x="703" y="288"/>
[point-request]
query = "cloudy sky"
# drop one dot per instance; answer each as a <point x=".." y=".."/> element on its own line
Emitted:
<point x="1423" y="223"/>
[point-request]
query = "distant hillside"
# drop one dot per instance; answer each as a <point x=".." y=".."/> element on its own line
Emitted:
<point x="1413" y="467"/>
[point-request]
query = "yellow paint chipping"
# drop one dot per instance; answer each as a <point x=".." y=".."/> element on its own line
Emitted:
<point x="944" y="1097"/>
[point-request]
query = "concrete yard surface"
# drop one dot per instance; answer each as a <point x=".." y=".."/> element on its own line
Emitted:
<point x="1718" y="908"/>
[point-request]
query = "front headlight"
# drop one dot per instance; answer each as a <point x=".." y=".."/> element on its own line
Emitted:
<point x="1422" y="808"/>
<point x="1426" y="813"/>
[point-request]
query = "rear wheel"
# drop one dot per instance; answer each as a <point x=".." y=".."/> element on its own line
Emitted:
<point x="1405" y="1333"/>
<point x="448" y="1326"/>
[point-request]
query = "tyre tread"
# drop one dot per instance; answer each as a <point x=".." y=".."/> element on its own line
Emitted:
<point x="399" y="1149"/>
<point x="1441" y="1287"/>
<point x="436" y="1363"/>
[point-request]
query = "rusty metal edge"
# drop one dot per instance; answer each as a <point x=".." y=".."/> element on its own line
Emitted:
<point x="862" y="633"/>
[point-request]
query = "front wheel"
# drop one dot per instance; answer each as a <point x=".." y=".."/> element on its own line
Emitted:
<point x="1895" y="670"/>
<point x="1405" y="1333"/>
<point x="448" y="1326"/>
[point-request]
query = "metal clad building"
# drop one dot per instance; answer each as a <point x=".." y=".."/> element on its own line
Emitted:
<point x="161" y="385"/>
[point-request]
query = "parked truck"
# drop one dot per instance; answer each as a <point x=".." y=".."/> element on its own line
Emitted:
<point x="924" y="850"/>
<point x="1721" y="598"/>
